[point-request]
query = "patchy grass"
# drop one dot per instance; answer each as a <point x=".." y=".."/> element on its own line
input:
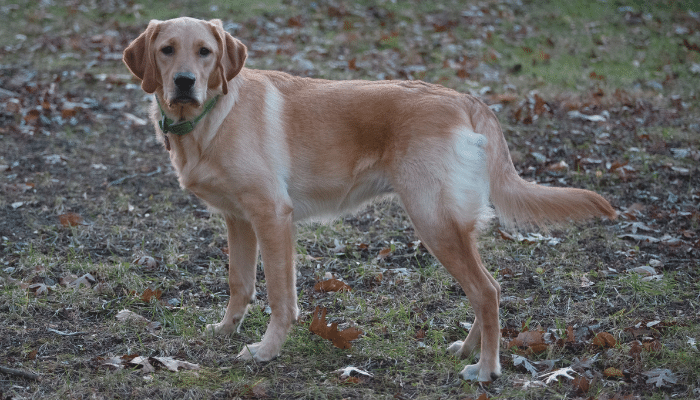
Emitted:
<point x="633" y="64"/>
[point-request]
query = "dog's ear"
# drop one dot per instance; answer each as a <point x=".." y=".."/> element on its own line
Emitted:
<point x="139" y="57"/>
<point x="232" y="55"/>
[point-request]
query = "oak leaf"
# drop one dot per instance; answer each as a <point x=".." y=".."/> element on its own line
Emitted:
<point x="331" y="285"/>
<point x="340" y="339"/>
<point x="660" y="377"/>
<point x="70" y="219"/>
<point x="612" y="372"/>
<point x="604" y="339"/>
<point x="149" y="294"/>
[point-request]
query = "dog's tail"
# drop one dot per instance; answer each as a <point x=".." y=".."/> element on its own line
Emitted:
<point x="518" y="202"/>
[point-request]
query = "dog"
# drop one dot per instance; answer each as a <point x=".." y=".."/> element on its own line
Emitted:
<point x="267" y="149"/>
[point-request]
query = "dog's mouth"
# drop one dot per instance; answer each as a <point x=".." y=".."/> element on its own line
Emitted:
<point x="184" y="99"/>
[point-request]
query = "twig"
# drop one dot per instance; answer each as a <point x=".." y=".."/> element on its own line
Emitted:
<point x="66" y="333"/>
<point x="124" y="178"/>
<point x="20" y="373"/>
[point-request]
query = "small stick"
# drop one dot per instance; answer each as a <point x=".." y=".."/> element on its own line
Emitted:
<point x="20" y="373"/>
<point x="66" y="333"/>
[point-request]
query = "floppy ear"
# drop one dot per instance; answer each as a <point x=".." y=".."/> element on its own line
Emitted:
<point x="232" y="55"/>
<point x="139" y="57"/>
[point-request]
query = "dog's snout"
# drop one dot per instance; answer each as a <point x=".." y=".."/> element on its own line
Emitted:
<point x="184" y="80"/>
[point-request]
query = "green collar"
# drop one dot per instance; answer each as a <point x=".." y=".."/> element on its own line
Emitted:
<point x="183" y="127"/>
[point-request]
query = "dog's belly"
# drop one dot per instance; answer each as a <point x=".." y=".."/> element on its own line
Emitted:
<point x="326" y="199"/>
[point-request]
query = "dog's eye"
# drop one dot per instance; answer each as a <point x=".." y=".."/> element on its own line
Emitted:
<point x="167" y="50"/>
<point x="204" y="52"/>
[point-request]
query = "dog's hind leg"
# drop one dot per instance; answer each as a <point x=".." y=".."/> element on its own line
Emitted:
<point x="243" y="257"/>
<point x="452" y="240"/>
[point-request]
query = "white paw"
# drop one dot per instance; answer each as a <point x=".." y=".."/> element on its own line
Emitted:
<point x="456" y="348"/>
<point x="257" y="352"/>
<point x="474" y="372"/>
<point x="471" y="372"/>
<point x="220" y="329"/>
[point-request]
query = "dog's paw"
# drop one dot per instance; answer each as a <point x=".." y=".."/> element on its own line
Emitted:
<point x="220" y="329"/>
<point x="456" y="348"/>
<point x="257" y="352"/>
<point x="475" y="373"/>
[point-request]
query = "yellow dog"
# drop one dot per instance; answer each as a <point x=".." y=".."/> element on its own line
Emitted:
<point x="266" y="149"/>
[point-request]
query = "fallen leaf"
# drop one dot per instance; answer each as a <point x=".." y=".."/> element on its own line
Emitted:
<point x="644" y="270"/>
<point x="581" y="385"/>
<point x="39" y="289"/>
<point x="67" y="279"/>
<point x="558" y="166"/>
<point x="331" y="285"/>
<point x="149" y="261"/>
<point x="146" y="366"/>
<point x="660" y="377"/>
<point x="527" y="339"/>
<point x="554" y="375"/>
<point x="127" y="315"/>
<point x="340" y="339"/>
<point x="86" y="280"/>
<point x="149" y="294"/>
<point x="640" y="238"/>
<point x="635" y="349"/>
<point x="612" y="372"/>
<point x="383" y="253"/>
<point x="70" y="219"/>
<point x="604" y="340"/>
<point x="526" y="384"/>
<point x="351" y="371"/>
<point x="173" y="364"/>
<point x="525" y="363"/>
<point x="584" y="364"/>
<point x="651" y="345"/>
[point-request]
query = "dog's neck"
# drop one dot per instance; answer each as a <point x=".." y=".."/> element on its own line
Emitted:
<point x="182" y="127"/>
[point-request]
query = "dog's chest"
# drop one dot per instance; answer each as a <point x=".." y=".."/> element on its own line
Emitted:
<point x="206" y="180"/>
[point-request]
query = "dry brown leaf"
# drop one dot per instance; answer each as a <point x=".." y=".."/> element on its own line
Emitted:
<point x="143" y="362"/>
<point x="127" y="315"/>
<point x="651" y="345"/>
<point x="340" y="339"/>
<point x="383" y="253"/>
<point x="70" y="219"/>
<point x="149" y="294"/>
<point x="537" y="348"/>
<point x="173" y="364"/>
<point x="612" y="372"/>
<point x="570" y="337"/>
<point x="581" y="385"/>
<point x="332" y="285"/>
<point x="67" y="279"/>
<point x="39" y="289"/>
<point x="635" y="349"/>
<point x="147" y="261"/>
<point x="604" y="339"/>
<point x="86" y="280"/>
<point x="528" y="339"/>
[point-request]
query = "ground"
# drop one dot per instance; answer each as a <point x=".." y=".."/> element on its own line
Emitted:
<point x="598" y="95"/>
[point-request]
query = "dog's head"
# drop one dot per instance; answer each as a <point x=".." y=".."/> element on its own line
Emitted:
<point x="188" y="59"/>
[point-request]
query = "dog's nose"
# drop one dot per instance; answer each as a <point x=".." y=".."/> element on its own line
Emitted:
<point x="184" y="80"/>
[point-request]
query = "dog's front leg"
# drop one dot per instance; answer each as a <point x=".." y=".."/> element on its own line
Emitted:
<point x="274" y="230"/>
<point x="243" y="257"/>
